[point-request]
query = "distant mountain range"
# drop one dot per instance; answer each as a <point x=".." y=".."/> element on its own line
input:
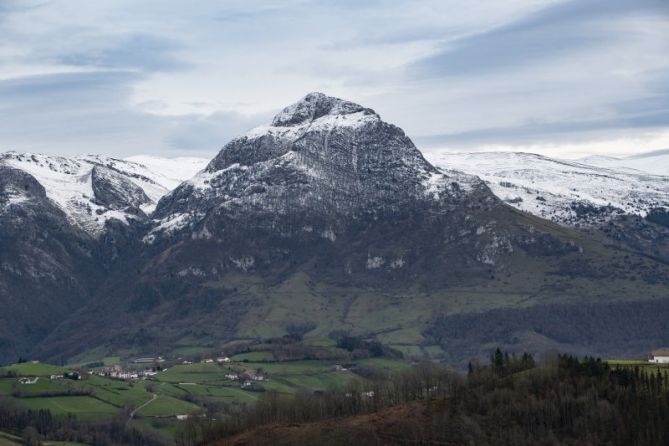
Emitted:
<point x="330" y="219"/>
<point x="93" y="189"/>
<point x="559" y="190"/>
<point x="655" y="162"/>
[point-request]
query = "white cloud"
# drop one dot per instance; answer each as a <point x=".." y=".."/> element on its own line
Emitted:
<point x="171" y="77"/>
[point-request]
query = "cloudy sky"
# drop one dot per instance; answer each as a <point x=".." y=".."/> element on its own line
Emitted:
<point x="122" y="77"/>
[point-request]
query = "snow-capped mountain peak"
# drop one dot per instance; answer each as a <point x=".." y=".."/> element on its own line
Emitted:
<point x="315" y="106"/>
<point x="322" y="155"/>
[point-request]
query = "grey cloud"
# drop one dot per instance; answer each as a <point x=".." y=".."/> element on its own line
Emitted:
<point x="87" y="112"/>
<point x="139" y="51"/>
<point x="523" y="79"/>
<point x="549" y="33"/>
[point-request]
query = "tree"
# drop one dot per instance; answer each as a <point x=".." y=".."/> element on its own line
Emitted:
<point x="31" y="437"/>
<point x="497" y="360"/>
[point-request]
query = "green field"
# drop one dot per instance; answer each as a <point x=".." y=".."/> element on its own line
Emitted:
<point x="165" y="406"/>
<point x="81" y="406"/>
<point x="9" y="439"/>
<point x="643" y="366"/>
<point x="194" y="373"/>
<point x="117" y="393"/>
<point x="386" y="364"/>
<point x="30" y="369"/>
<point x="180" y="389"/>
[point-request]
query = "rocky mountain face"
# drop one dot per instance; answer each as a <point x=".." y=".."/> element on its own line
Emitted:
<point x="47" y="266"/>
<point x="567" y="192"/>
<point x="328" y="219"/>
<point x="330" y="189"/>
<point x="92" y="189"/>
<point x="63" y="222"/>
<point x="321" y="165"/>
<point x="621" y="203"/>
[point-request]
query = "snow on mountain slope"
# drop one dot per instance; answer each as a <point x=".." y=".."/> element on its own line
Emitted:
<point x="656" y="162"/>
<point x="325" y="157"/>
<point x="567" y="192"/>
<point x="169" y="172"/>
<point x="92" y="189"/>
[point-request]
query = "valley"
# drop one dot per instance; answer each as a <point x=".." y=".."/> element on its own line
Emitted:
<point x="299" y="223"/>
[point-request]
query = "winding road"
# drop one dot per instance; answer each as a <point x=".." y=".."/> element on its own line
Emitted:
<point x="132" y="414"/>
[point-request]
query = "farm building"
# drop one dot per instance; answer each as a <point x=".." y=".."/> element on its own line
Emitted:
<point x="660" y="356"/>
<point x="28" y="380"/>
<point x="156" y="360"/>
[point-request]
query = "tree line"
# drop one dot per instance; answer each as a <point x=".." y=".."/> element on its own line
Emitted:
<point x="512" y="400"/>
<point x="35" y="426"/>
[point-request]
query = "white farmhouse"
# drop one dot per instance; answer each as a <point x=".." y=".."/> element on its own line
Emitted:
<point x="660" y="356"/>
<point x="28" y="380"/>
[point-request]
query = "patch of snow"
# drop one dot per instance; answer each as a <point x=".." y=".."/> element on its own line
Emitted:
<point x="68" y="183"/>
<point x="168" y="225"/>
<point x="330" y="235"/>
<point x="554" y="189"/>
<point x="656" y="163"/>
<point x="374" y="262"/>
<point x="397" y="263"/>
<point x="327" y="122"/>
<point x="244" y="263"/>
<point x="170" y="172"/>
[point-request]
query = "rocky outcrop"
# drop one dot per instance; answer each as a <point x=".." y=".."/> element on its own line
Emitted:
<point x="114" y="191"/>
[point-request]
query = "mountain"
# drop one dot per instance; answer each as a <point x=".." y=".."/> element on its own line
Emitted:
<point x="168" y="172"/>
<point x="62" y="224"/>
<point x="655" y="162"/>
<point x="329" y="160"/>
<point x="94" y="189"/>
<point x="623" y="204"/>
<point x="330" y="220"/>
<point x="560" y="190"/>
<point x="47" y="266"/>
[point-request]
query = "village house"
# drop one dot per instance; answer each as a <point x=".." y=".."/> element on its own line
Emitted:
<point x="660" y="356"/>
<point x="156" y="360"/>
<point x="119" y="372"/>
<point x="72" y="375"/>
<point x="223" y="360"/>
<point x="28" y="380"/>
<point x="251" y="375"/>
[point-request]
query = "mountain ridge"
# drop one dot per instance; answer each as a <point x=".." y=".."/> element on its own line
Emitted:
<point x="331" y="219"/>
